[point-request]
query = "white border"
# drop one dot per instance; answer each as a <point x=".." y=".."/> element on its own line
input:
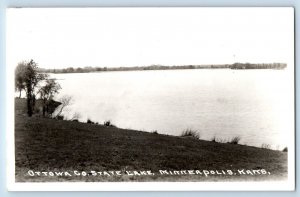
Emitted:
<point x="288" y="185"/>
<point x="153" y="186"/>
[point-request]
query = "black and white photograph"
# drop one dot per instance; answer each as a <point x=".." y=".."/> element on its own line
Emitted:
<point x="151" y="98"/>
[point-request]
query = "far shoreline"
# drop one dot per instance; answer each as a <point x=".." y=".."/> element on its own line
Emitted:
<point x="235" y="66"/>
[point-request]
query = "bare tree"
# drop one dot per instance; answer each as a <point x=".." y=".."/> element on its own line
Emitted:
<point x="65" y="101"/>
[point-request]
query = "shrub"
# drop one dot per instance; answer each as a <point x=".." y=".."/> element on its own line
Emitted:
<point x="190" y="133"/>
<point x="235" y="140"/>
<point x="214" y="139"/>
<point x="89" y="121"/>
<point x="60" y="117"/>
<point x="285" y="149"/>
<point x="108" y="123"/>
<point x="154" y="132"/>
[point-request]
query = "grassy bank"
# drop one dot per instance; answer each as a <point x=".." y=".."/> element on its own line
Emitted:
<point x="49" y="145"/>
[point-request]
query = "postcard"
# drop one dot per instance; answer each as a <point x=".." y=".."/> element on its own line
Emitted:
<point x="150" y="99"/>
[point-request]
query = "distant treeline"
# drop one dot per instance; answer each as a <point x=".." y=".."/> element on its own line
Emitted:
<point x="258" y="66"/>
<point x="161" y="67"/>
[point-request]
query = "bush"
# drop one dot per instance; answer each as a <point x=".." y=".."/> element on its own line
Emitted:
<point x="89" y="121"/>
<point x="285" y="149"/>
<point x="214" y="139"/>
<point x="235" y="140"/>
<point x="190" y="133"/>
<point x="60" y="117"/>
<point x="154" y="132"/>
<point x="108" y="123"/>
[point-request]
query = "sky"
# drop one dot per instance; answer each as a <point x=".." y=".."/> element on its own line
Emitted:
<point x="113" y="37"/>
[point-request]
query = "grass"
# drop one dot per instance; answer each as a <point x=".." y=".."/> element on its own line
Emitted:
<point x="221" y="140"/>
<point x="190" y="133"/>
<point x="45" y="144"/>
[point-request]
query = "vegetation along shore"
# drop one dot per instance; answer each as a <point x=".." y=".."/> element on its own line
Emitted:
<point x="163" y="67"/>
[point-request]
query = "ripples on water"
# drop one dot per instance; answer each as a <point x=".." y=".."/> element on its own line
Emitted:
<point x="256" y="105"/>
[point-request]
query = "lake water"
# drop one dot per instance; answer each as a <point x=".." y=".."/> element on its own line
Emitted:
<point x="256" y="105"/>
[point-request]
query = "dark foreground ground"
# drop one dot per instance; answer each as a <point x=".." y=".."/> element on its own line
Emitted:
<point x="56" y="150"/>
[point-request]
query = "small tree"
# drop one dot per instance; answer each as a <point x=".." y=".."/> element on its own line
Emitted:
<point x="28" y="78"/>
<point x="47" y="92"/>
